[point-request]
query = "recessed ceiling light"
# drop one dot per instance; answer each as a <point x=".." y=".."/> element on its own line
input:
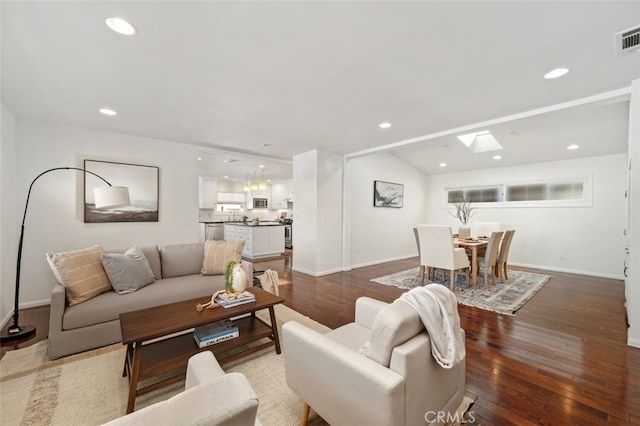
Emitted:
<point x="384" y="125"/>
<point x="232" y="160"/>
<point x="226" y="177"/>
<point x="574" y="146"/>
<point x="199" y="158"/>
<point x="443" y="164"/>
<point x="261" y="166"/>
<point x="107" y="111"/>
<point x="555" y="73"/>
<point x="121" y="26"/>
<point x="497" y="157"/>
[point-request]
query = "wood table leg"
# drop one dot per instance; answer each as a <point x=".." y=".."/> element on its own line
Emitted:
<point x="134" y="375"/>
<point x="274" y="327"/>
<point x="127" y="356"/>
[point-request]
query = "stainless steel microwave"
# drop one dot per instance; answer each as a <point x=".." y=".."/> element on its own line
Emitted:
<point x="260" y="203"/>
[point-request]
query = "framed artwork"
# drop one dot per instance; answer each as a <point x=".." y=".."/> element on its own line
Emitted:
<point x="387" y="194"/>
<point x="142" y="182"/>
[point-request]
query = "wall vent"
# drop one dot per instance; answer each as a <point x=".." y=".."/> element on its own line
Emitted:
<point x="628" y="41"/>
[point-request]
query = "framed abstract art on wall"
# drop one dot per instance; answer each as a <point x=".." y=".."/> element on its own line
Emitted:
<point x="387" y="194"/>
<point x="142" y="182"/>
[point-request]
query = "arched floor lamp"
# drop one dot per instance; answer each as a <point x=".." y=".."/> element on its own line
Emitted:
<point x="105" y="197"/>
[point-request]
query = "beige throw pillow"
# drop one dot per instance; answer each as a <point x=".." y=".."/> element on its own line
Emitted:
<point x="80" y="272"/>
<point x="218" y="253"/>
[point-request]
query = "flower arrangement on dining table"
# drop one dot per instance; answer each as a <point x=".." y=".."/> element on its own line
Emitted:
<point x="464" y="211"/>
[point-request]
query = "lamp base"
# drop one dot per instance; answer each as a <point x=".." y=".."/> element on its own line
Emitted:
<point x="18" y="332"/>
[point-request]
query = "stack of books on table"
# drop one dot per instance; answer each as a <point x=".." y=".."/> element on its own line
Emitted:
<point x="216" y="332"/>
<point x="227" y="300"/>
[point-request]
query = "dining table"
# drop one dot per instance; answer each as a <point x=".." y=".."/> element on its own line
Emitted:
<point x="474" y="244"/>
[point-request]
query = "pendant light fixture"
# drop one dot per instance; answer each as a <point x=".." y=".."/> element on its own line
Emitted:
<point x="262" y="184"/>
<point x="247" y="186"/>
<point x="254" y="185"/>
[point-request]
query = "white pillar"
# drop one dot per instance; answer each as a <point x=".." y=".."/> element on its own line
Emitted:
<point x="317" y="210"/>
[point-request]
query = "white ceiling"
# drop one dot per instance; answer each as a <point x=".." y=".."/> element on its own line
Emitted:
<point x="303" y="75"/>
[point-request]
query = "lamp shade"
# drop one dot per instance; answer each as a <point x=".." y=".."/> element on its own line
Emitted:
<point x="111" y="196"/>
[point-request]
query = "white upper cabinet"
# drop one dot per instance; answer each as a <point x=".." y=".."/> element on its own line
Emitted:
<point x="208" y="193"/>
<point x="282" y="194"/>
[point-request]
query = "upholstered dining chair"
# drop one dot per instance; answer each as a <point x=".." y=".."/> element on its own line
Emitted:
<point x="503" y="254"/>
<point x="377" y="370"/>
<point x="489" y="261"/>
<point x="415" y="234"/>
<point x="437" y="251"/>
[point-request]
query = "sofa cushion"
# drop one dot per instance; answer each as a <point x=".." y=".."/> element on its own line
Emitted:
<point x="80" y="272"/>
<point x="128" y="271"/>
<point x="217" y="254"/>
<point x="152" y="253"/>
<point x="110" y="305"/>
<point x="395" y="324"/>
<point x="181" y="259"/>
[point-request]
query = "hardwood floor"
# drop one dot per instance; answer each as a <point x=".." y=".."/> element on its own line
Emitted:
<point x="562" y="359"/>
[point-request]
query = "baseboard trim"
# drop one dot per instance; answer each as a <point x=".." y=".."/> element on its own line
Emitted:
<point x="377" y="262"/>
<point x="568" y="271"/>
<point x="317" y="274"/>
<point x="633" y="342"/>
<point x="34" y="304"/>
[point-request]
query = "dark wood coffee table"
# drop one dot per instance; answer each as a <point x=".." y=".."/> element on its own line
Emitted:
<point x="170" y="353"/>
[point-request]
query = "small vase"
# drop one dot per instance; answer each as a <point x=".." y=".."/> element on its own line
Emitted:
<point x="464" y="231"/>
<point x="239" y="279"/>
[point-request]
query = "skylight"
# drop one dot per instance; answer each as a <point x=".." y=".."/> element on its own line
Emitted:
<point x="482" y="141"/>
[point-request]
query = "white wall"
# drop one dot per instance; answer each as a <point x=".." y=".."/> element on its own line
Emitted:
<point x="589" y="238"/>
<point x="55" y="217"/>
<point x="633" y="280"/>
<point x="8" y="219"/>
<point x="317" y="231"/>
<point x="382" y="234"/>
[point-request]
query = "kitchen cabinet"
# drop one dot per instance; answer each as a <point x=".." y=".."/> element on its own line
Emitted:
<point x="208" y="192"/>
<point x="281" y="194"/>
<point x="261" y="241"/>
<point x="231" y="197"/>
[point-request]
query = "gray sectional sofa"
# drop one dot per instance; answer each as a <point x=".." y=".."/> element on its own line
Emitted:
<point x="95" y="322"/>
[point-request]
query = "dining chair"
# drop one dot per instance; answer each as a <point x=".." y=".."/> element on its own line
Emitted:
<point x="415" y="234"/>
<point x="503" y="254"/>
<point x="437" y="251"/>
<point x="488" y="262"/>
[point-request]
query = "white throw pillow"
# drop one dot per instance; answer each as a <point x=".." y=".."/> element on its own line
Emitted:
<point x="127" y="272"/>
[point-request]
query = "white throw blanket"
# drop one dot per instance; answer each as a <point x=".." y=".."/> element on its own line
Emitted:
<point x="269" y="282"/>
<point x="438" y="309"/>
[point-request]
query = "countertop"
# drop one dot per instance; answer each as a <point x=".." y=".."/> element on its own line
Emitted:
<point x="261" y="223"/>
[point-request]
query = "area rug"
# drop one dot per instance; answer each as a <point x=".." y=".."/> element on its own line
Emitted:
<point x="88" y="388"/>
<point x="504" y="298"/>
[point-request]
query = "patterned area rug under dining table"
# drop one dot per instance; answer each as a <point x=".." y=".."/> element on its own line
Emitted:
<point x="504" y="298"/>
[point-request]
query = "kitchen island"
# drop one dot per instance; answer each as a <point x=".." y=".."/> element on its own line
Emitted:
<point x="262" y="241"/>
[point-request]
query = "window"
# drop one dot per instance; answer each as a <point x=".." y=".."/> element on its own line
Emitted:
<point x="561" y="192"/>
<point x="489" y="194"/>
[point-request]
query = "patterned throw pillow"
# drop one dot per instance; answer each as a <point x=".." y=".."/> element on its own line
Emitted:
<point x="218" y="253"/>
<point x="80" y="272"/>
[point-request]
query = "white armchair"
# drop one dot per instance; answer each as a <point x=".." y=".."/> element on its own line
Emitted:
<point x="211" y="397"/>
<point x="396" y="381"/>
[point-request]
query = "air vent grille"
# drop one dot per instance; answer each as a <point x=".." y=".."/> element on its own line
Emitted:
<point x="628" y="41"/>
